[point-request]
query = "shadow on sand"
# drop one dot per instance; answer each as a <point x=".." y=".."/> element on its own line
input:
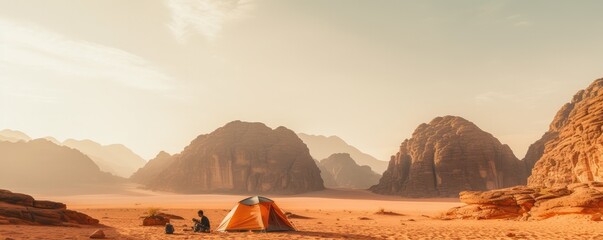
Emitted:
<point x="331" y="235"/>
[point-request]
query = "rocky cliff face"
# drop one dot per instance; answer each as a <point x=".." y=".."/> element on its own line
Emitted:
<point x="447" y="156"/>
<point x="571" y="151"/>
<point x="42" y="166"/>
<point x="327" y="178"/>
<point x="346" y="173"/>
<point x="242" y="157"/>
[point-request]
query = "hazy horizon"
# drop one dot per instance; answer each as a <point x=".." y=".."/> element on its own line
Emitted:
<point x="153" y="75"/>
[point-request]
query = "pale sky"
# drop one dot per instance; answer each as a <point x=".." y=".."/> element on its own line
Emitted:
<point x="155" y="74"/>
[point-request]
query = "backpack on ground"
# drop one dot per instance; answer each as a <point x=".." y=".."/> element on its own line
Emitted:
<point x="169" y="228"/>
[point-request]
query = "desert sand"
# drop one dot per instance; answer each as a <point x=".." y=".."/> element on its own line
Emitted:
<point x="329" y="214"/>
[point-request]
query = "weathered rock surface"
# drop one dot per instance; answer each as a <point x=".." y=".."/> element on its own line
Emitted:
<point x="242" y="157"/>
<point x="531" y="203"/>
<point x="346" y="173"/>
<point x="447" y="156"/>
<point x="571" y="151"/>
<point x="155" y="221"/>
<point x="42" y="166"/>
<point x="17" y="208"/>
<point x="153" y="168"/>
<point x="322" y="147"/>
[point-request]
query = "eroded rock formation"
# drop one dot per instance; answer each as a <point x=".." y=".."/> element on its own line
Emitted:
<point x="447" y="156"/>
<point x="571" y="151"/>
<point x="531" y="203"/>
<point x="17" y="208"/>
<point x="242" y="157"/>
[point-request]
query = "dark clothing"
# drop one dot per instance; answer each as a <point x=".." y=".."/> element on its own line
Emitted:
<point x="201" y="226"/>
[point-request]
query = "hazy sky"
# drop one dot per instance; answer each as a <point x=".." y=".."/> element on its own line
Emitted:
<point x="155" y="74"/>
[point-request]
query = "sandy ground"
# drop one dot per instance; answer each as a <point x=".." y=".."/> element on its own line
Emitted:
<point x="334" y="214"/>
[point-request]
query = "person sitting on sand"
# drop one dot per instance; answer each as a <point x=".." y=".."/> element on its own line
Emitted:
<point x="201" y="225"/>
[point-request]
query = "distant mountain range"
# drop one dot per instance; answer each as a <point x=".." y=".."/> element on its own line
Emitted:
<point x="115" y="158"/>
<point x="322" y="147"/>
<point x="42" y="166"/>
<point x="341" y="171"/>
<point x="13" y="136"/>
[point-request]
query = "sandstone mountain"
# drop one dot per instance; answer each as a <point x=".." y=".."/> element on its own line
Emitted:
<point x="346" y="173"/>
<point x="42" y="166"/>
<point x="447" y="156"/>
<point x="114" y="158"/>
<point x="13" y="136"/>
<point x="571" y="151"/>
<point x="322" y="147"/>
<point x="153" y="168"/>
<point x="242" y="157"/>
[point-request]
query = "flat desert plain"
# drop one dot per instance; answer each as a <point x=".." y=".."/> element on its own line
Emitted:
<point x="329" y="214"/>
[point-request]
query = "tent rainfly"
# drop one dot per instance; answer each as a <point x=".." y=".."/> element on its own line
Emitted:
<point x="256" y="214"/>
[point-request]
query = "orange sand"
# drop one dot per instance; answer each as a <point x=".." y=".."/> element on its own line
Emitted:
<point x="334" y="215"/>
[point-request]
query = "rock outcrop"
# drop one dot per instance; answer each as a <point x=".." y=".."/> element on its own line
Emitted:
<point x="42" y="166"/>
<point x="571" y="151"/>
<point x="155" y="221"/>
<point x="98" y="234"/>
<point x="346" y="173"/>
<point x="17" y="208"/>
<point x="322" y="147"/>
<point x="242" y="157"/>
<point x="531" y="203"/>
<point x="447" y="156"/>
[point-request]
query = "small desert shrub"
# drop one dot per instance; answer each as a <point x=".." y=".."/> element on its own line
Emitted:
<point x="382" y="211"/>
<point x="151" y="212"/>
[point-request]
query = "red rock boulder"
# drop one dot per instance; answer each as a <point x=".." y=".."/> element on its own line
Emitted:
<point x="16" y="208"/>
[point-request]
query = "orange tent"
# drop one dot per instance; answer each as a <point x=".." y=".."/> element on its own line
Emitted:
<point x="256" y="214"/>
